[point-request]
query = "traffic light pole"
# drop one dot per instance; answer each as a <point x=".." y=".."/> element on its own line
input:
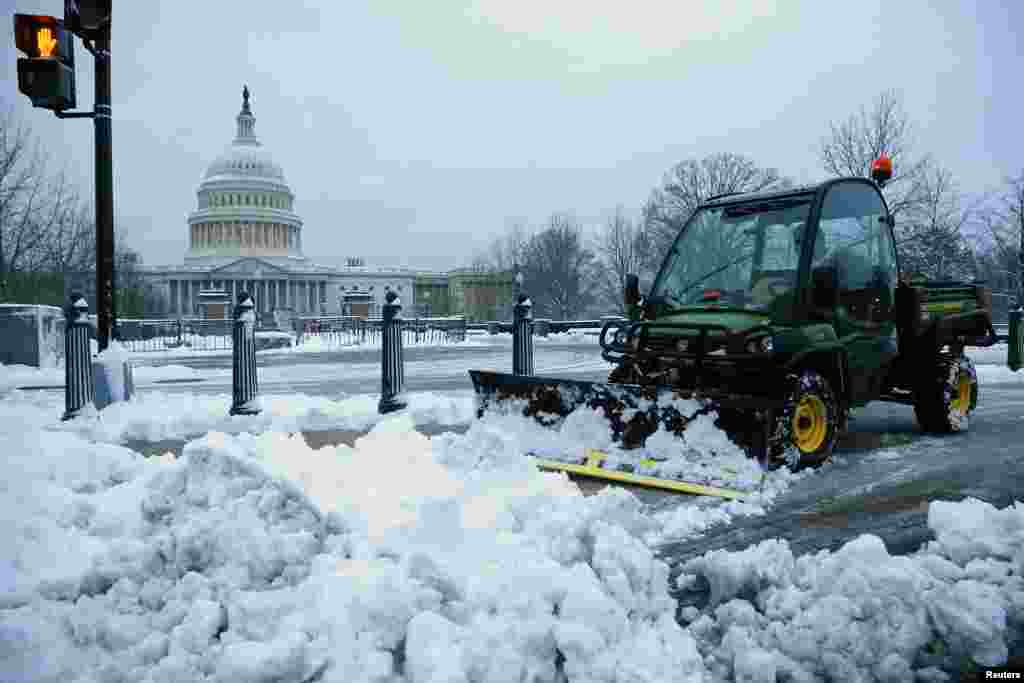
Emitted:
<point x="106" y="317"/>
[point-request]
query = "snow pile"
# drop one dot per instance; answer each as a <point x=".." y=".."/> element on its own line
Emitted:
<point x="702" y="454"/>
<point x="861" y="614"/>
<point x="156" y="416"/>
<point x="254" y="558"/>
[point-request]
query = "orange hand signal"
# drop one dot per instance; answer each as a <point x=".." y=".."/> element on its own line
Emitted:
<point x="46" y="41"/>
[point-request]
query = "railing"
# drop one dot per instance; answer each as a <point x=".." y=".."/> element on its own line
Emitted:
<point x="168" y="334"/>
<point x="341" y="331"/>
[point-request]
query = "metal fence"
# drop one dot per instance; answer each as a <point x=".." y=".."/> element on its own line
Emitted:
<point x="341" y="331"/>
<point x="163" y="335"/>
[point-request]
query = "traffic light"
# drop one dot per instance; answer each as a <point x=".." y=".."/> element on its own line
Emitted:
<point x="47" y="75"/>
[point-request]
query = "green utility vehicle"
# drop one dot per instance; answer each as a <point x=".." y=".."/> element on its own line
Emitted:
<point x="783" y="310"/>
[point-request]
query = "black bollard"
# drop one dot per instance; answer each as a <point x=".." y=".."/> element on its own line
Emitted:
<point x="392" y="366"/>
<point x="79" y="390"/>
<point x="522" y="337"/>
<point x="244" y="389"/>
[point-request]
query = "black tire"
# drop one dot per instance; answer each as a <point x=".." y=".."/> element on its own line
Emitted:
<point x="943" y="402"/>
<point x="811" y="422"/>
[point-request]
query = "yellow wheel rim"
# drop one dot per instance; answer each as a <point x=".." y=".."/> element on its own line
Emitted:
<point x="810" y="424"/>
<point x="962" y="399"/>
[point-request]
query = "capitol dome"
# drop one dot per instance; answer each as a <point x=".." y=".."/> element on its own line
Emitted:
<point x="244" y="205"/>
<point x="245" y="161"/>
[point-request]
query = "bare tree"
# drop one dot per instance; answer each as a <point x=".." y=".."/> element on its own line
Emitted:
<point x="1002" y="262"/>
<point x="22" y="196"/>
<point x="619" y="251"/>
<point x="934" y="244"/>
<point x="856" y="141"/>
<point x="556" y="265"/>
<point x="691" y="182"/>
<point x="505" y="251"/>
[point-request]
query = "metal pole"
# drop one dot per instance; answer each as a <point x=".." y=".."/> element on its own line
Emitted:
<point x="522" y="337"/>
<point x="392" y="366"/>
<point x="106" y="316"/>
<point x="1020" y="260"/>
<point x="79" y="391"/>
<point x="244" y="387"/>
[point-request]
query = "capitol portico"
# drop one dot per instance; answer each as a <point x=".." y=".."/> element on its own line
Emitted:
<point x="245" y="235"/>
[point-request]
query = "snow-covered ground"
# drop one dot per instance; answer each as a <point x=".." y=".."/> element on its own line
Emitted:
<point x="996" y="354"/>
<point x="255" y="558"/>
<point x="24" y="375"/>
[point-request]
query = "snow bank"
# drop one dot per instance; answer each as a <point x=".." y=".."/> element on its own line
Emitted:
<point x="862" y="614"/>
<point x="254" y="558"/>
<point x="156" y="416"/>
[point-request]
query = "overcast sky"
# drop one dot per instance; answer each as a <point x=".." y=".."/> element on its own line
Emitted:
<point x="413" y="132"/>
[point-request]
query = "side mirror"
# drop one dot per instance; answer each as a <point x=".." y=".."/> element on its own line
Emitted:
<point x="824" y="284"/>
<point x="631" y="295"/>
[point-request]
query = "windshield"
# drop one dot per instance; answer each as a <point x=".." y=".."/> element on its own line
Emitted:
<point x="740" y="256"/>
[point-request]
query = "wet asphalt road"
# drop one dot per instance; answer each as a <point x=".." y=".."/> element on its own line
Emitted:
<point x="438" y="369"/>
<point x="884" y="475"/>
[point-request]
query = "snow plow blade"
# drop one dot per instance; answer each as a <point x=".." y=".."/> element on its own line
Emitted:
<point x="633" y="413"/>
<point x="593" y="468"/>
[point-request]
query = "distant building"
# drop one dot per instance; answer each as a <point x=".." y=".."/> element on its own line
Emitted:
<point x="480" y="295"/>
<point x="245" y="235"/>
<point x="432" y="295"/>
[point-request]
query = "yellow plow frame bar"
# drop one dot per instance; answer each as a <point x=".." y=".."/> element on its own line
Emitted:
<point x="592" y="467"/>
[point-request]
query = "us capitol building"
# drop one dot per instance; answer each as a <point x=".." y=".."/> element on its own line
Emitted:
<point x="244" y="235"/>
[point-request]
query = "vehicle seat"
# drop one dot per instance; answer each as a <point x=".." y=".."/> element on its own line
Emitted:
<point x="769" y="285"/>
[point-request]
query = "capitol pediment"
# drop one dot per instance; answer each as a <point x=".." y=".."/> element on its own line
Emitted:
<point x="252" y="267"/>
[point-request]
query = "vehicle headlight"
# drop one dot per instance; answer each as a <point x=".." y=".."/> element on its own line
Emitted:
<point x="682" y="345"/>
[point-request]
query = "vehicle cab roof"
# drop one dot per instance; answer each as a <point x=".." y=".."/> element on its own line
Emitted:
<point x="815" y="188"/>
<point x="743" y="197"/>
